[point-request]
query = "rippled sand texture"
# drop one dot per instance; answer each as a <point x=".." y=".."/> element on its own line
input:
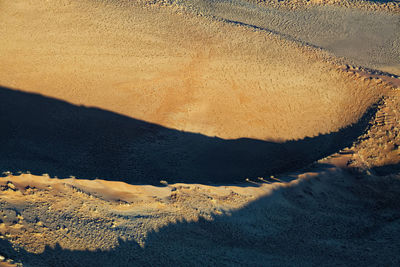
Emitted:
<point x="363" y="36"/>
<point x="177" y="70"/>
<point x="184" y="111"/>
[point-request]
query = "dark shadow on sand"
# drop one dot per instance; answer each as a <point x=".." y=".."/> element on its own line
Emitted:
<point x="297" y="225"/>
<point x="386" y="170"/>
<point x="45" y="135"/>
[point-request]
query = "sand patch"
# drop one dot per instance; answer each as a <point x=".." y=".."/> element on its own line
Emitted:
<point x="188" y="73"/>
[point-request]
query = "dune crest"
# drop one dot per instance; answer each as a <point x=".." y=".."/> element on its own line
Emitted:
<point x="199" y="132"/>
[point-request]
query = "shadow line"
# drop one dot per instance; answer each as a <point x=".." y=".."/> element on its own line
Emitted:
<point x="45" y="135"/>
<point x="319" y="221"/>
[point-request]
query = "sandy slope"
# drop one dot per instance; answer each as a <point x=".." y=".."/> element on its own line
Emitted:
<point x="367" y="38"/>
<point x="327" y="216"/>
<point x="328" y="213"/>
<point x="168" y="70"/>
<point x="187" y="73"/>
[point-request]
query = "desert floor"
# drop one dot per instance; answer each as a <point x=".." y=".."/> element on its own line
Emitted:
<point x="241" y="132"/>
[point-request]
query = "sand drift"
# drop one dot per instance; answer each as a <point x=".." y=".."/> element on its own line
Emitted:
<point x="199" y="132"/>
<point x="157" y="93"/>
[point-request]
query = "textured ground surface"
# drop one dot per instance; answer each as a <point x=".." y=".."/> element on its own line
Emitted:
<point x="364" y="37"/>
<point x="325" y="217"/>
<point x="179" y="70"/>
<point x="211" y="98"/>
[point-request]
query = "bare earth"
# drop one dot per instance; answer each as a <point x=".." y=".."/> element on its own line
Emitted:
<point x="273" y="128"/>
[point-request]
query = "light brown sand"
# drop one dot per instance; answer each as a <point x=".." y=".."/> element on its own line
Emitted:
<point x="165" y="65"/>
<point x="187" y="73"/>
<point x="362" y="36"/>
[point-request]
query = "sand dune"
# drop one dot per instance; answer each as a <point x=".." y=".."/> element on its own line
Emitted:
<point x="327" y="214"/>
<point x="184" y="110"/>
<point x="366" y="38"/>
<point x="188" y="73"/>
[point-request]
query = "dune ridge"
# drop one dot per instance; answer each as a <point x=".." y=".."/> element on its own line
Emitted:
<point x="224" y="132"/>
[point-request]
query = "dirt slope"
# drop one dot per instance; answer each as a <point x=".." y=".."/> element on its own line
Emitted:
<point x="364" y="37"/>
<point x="188" y="73"/>
<point x="326" y="216"/>
<point x="143" y="91"/>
